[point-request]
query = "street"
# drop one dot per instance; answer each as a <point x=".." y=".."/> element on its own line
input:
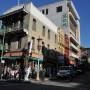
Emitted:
<point x="80" y="83"/>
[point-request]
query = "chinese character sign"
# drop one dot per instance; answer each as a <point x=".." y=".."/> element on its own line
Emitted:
<point x="64" y="20"/>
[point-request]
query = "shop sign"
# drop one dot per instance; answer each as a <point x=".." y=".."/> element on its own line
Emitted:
<point x="64" y="20"/>
<point x="13" y="54"/>
<point x="16" y="54"/>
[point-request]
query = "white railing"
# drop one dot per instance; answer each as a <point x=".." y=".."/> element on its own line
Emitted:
<point x="74" y="55"/>
<point x="73" y="37"/>
<point x="75" y="47"/>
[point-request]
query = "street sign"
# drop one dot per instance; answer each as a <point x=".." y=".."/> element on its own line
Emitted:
<point x="64" y="20"/>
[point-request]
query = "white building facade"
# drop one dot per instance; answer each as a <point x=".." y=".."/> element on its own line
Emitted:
<point x="64" y="15"/>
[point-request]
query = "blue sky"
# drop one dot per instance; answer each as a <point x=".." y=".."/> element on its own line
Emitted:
<point x="82" y="7"/>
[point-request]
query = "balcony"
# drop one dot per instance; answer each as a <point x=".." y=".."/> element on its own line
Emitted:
<point x="73" y="37"/>
<point x="73" y="18"/>
<point x="72" y="33"/>
<point x="74" y="47"/>
<point x="74" y="55"/>
<point x="16" y="29"/>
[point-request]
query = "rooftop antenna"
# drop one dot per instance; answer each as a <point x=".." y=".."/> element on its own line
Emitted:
<point x="18" y="2"/>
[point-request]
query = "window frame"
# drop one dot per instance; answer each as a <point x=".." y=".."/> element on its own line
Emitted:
<point x="49" y="34"/>
<point x="59" y="9"/>
<point x="46" y="11"/>
<point x="34" y="24"/>
<point x="43" y="11"/>
<point x="43" y="31"/>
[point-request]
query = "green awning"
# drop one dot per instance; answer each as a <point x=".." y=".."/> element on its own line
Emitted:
<point x="18" y="57"/>
<point x="10" y="57"/>
<point x="35" y="59"/>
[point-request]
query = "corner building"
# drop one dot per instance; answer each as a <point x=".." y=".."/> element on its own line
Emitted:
<point x="25" y="30"/>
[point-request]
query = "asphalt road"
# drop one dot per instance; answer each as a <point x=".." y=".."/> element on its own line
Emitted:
<point x="81" y="82"/>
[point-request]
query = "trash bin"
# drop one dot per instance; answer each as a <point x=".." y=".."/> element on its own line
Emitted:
<point x="42" y="75"/>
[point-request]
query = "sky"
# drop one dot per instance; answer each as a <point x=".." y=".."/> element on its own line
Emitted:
<point x="82" y="6"/>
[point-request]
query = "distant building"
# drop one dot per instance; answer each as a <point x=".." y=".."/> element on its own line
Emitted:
<point x="87" y="54"/>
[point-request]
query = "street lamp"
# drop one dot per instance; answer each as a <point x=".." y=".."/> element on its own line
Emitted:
<point x="38" y="65"/>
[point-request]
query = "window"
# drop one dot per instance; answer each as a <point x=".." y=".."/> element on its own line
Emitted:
<point x="43" y="44"/>
<point x="48" y="46"/>
<point x="34" y="25"/>
<point x="19" y="43"/>
<point x="43" y="11"/>
<point x="28" y="45"/>
<point x="59" y="9"/>
<point x="48" y="34"/>
<point x="43" y="31"/>
<point x="9" y="45"/>
<point x="46" y="11"/>
<point x="55" y="38"/>
<point x="33" y="43"/>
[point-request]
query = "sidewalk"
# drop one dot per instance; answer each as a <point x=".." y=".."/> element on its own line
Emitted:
<point x="39" y="81"/>
<point x="55" y="83"/>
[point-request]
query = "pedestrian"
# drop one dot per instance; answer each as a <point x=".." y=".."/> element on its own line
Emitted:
<point x="8" y="72"/>
<point x="27" y="72"/>
<point x="5" y="72"/>
<point x="21" y="72"/>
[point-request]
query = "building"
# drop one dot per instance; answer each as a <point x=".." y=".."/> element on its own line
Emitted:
<point x="86" y="54"/>
<point x="24" y="31"/>
<point x="61" y="41"/>
<point x="85" y="58"/>
<point x="61" y="45"/>
<point x="64" y="15"/>
<point x="66" y="49"/>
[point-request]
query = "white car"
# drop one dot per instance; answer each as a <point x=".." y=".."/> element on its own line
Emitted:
<point x="66" y="71"/>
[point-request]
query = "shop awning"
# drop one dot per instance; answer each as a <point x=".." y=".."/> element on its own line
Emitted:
<point x="35" y="59"/>
<point x="18" y="57"/>
<point x="10" y="57"/>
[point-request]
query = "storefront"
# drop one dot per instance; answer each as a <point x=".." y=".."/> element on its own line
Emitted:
<point x="19" y="60"/>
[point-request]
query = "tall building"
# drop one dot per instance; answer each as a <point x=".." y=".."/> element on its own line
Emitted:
<point x="64" y="15"/>
<point x="24" y="31"/>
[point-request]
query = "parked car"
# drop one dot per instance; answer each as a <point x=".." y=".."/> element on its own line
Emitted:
<point x="66" y="71"/>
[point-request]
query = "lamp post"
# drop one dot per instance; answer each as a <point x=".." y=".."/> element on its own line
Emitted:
<point x="38" y="64"/>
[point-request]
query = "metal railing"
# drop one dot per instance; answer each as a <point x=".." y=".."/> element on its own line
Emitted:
<point x="13" y="28"/>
